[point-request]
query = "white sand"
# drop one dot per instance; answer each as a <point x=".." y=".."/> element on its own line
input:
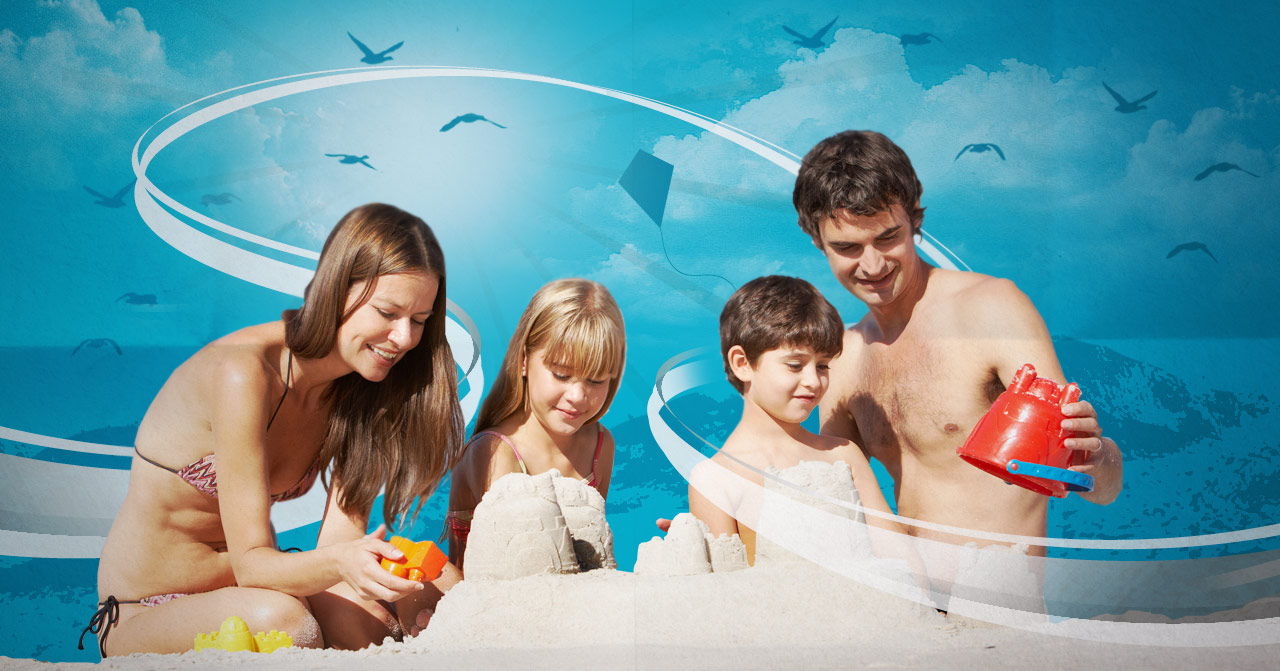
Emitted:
<point x="782" y="614"/>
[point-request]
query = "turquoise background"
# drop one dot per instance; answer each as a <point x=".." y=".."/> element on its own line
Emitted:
<point x="1179" y="353"/>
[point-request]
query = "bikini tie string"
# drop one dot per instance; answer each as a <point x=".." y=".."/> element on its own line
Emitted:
<point x="107" y="615"/>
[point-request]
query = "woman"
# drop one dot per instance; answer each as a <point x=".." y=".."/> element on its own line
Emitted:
<point x="361" y="381"/>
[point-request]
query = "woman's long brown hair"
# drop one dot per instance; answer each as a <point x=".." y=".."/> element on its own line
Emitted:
<point x="402" y="434"/>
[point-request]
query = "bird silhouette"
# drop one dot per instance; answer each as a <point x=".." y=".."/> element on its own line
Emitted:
<point x="97" y="343"/>
<point x="1221" y="167"/>
<point x="353" y="159"/>
<point x="370" y="57"/>
<point x="112" y="202"/>
<point x="217" y="198"/>
<point x="467" y="118"/>
<point x="978" y="149"/>
<point x="917" y="38"/>
<point x="1191" y="247"/>
<point x="1124" y="106"/>
<point x="137" y="299"/>
<point x="813" y="41"/>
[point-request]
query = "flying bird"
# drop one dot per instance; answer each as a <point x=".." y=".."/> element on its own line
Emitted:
<point x="1124" y="106"/>
<point x="1221" y="167"/>
<point x="217" y="198"/>
<point x="917" y="38"/>
<point x="370" y="57"/>
<point x="112" y="202"/>
<point x="353" y="159"/>
<point x="467" y="118"/>
<point x="978" y="149"/>
<point x="137" y="299"/>
<point x="97" y="343"/>
<point x="813" y="41"/>
<point x="1191" y="247"/>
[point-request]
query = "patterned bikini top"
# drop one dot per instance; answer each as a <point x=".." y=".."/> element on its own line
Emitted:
<point x="203" y="473"/>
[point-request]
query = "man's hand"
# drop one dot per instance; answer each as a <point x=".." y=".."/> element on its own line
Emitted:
<point x="1103" y="459"/>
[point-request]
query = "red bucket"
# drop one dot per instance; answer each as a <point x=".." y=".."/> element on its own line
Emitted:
<point x="1020" y="439"/>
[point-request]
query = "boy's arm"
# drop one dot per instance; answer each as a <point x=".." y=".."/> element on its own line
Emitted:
<point x="1024" y="338"/>
<point x="709" y="499"/>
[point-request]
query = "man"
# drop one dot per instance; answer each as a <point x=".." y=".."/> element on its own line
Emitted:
<point x="933" y="352"/>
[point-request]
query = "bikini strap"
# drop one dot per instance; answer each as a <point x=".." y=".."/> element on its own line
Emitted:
<point x="154" y="462"/>
<point x="510" y="444"/>
<point x="104" y="618"/>
<point x="288" y="377"/>
<point x="596" y="459"/>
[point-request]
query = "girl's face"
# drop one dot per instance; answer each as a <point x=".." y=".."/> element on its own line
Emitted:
<point x="387" y="325"/>
<point x="561" y="399"/>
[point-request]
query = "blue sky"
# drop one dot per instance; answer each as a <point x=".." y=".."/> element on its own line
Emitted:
<point x="1081" y="213"/>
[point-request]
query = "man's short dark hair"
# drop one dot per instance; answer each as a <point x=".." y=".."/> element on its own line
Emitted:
<point x="775" y="311"/>
<point x="861" y="171"/>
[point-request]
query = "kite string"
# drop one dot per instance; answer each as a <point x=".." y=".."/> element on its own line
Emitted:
<point x="662" y="237"/>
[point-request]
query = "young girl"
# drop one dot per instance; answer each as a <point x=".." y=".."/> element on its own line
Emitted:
<point x="560" y="373"/>
<point x="361" y="381"/>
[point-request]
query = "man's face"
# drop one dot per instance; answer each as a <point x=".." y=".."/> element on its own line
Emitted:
<point x="874" y="257"/>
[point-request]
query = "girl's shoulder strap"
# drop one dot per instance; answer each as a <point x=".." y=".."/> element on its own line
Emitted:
<point x="511" y="445"/>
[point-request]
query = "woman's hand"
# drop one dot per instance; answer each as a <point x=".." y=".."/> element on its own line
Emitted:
<point x="359" y="565"/>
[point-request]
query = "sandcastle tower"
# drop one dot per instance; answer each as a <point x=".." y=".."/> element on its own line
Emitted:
<point x="583" y="510"/>
<point x="519" y="530"/>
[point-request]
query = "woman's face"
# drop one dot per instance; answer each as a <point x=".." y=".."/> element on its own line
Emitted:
<point x="561" y="399"/>
<point x="388" y="324"/>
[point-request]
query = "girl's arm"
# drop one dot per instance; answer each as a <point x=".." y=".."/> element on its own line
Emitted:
<point x="487" y="458"/>
<point x="604" y="467"/>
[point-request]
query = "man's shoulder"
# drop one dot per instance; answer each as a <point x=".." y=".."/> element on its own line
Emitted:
<point x="976" y="298"/>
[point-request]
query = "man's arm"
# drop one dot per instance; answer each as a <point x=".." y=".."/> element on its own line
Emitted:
<point x="1018" y="335"/>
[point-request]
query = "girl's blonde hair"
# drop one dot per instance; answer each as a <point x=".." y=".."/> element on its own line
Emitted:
<point x="579" y="326"/>
<point x="404" y="433"/>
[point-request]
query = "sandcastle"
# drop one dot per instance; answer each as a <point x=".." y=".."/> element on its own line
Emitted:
<point x="538" y="524"/>
<point x="690" y="549"/>
<point x="811" y="507"/>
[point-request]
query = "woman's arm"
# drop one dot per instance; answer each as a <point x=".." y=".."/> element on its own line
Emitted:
<point x="239" y="403"/>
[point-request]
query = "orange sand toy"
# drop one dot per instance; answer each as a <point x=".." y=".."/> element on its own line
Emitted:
<point x="422" y="561"/>
<point x="234" y="637"/>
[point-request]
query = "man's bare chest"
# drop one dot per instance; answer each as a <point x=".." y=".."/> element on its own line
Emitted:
<point x="919" y="399"/>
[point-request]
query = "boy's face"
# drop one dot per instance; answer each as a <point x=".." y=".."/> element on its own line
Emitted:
<point x="787" y="382"/>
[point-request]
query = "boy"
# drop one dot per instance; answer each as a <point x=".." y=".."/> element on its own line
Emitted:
<point x="778" y="336"/>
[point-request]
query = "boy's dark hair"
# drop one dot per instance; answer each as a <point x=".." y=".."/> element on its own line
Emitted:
<point x="773" y="311"/>
<point x="861" y="171"/>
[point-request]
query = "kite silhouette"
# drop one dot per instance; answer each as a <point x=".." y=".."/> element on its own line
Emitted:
<point x="137" y="299"/>
<point x="97" y="343"/>
<point x="112" y="202"/>
<point x="1124" y="106"/>
<point x="917" y="38"/>
<point x="370" y="57"/>
<point x="1221" y="167"/>
<point x="352" y="159"/>
<point x="1191" y="247"/>
<point x="978" y="149"/>
<point x="467" y="118"/>
<point x="813" y="41"/>
<point x="648" y="181"/>
<point x="217" y="198"/>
